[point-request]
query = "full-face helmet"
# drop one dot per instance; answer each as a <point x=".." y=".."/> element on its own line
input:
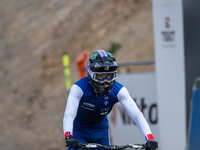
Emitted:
<point x="102" y="71"/>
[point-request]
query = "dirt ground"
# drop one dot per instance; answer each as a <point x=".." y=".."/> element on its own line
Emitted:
<point x="33" y="36"/>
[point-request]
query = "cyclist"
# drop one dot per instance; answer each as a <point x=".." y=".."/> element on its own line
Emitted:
<point x="92" y="98"/>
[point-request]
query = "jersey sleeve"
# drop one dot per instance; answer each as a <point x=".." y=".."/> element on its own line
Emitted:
<point x="134" y="112"/>
<point x="71" y="108"/>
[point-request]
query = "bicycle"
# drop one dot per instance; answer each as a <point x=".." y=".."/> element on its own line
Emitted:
<point x="111" y="147"/>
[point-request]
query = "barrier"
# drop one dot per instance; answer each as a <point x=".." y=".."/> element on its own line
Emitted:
<point x="142" y="88"/>
<point x="194" y="124"/>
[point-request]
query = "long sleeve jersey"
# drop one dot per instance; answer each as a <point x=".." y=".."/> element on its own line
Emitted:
<point x="85" y="105"/>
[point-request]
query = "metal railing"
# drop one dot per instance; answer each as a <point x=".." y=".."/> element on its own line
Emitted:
<point x="136" y="63"/>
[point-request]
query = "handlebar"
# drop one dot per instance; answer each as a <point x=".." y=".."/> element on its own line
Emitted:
<point x="111" y="147"/>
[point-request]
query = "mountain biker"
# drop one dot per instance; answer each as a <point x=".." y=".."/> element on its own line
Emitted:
<point x="92" y="98"/>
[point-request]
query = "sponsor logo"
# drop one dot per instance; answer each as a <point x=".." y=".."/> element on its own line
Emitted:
<point x="106" y="102"/>
<point x="104" y="111"/>
<point x="87" y="108"/>
<point x="167" y="22"/>
<point x="168" y="35"/>
<point x="88" y="105"/>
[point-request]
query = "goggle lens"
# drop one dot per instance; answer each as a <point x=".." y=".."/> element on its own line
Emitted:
<point x="104" y="77"/>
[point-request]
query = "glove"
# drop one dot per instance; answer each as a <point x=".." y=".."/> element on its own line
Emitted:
<point x="151" y="145"/>
<point x="71" y="142"/>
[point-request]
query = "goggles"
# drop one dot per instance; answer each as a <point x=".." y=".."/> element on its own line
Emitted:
<point x="102" y="77"/>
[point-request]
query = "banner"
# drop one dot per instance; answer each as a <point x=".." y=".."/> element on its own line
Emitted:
<point x="170" y="73"/>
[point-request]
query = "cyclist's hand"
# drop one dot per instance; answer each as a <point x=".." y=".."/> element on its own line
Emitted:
<point x="151" y="145"/>
<point x="71" y="142"/>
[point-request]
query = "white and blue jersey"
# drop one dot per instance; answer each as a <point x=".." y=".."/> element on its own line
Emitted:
<point x="85" y="113"/>
<point x="92" y="106"/>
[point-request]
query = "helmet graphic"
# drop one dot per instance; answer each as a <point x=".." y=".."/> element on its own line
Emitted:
<point x="102" y="71"/>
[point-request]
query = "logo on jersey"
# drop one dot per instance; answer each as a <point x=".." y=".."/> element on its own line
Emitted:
<point x="105" y="111"/>
<point x="106" y="102"/>
<point x="88" y="105"/>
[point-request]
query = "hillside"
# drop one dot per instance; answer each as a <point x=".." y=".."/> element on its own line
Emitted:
<point x="34" y="35"/>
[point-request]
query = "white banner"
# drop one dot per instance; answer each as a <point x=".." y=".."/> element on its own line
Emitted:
<point x="142" y="89"/>
<point x="170" y="73"/>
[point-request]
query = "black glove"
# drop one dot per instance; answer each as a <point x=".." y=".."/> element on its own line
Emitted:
<point x="72" y="143"/>
<point x="151" y="145"/>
